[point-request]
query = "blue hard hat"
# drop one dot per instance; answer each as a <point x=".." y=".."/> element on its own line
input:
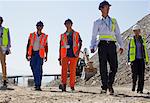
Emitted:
<point x="103" y="3"/>
<point x="68" y="20"/>
<point x="40" y="23"/>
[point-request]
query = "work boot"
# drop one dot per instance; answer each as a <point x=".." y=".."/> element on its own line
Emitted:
<point x="4" y="83"/>
<point x="72" y="89"/>
<point x="111" y="91"/>
<point x="133" y="87"/>
<point x="62" y="87"/>
<point x="140" y="91"/>
<point x="104" y="90"/>
<point x="38" y="88"/>
<point x="4" y="86"/>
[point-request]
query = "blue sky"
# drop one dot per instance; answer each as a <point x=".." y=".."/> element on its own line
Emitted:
<point x="22" y="16"/>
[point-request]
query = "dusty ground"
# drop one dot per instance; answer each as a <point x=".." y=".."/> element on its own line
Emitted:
<point x="82" y="95"/>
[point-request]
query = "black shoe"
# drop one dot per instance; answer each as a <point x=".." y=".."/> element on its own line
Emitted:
<point x="103" y="91"/>
<point x="62" y="87"/>
<point x="111" y="91"/>
<point x="3" y="87"/>
<point x="72" y="90"/>
<point x="38" y="88"/>
<point x="141" y="92"/>
<point x="4" y="83"/>
<point x="133" y="89"/>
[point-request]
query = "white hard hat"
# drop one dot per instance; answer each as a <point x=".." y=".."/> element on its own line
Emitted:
<point x="85" y="49"/>
<point x="136" y="27"/>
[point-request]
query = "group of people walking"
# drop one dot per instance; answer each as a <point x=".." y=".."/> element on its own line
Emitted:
<point x="105" y="34"/>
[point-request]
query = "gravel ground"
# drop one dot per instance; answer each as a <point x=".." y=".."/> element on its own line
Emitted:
<point x="81" y="95"/>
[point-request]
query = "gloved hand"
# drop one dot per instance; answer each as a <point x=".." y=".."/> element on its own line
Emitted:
<point x="59" y="61"/>
<point x="121" y="50"/>
<point x="92" y="50"/>
<point x="7" y="52"/>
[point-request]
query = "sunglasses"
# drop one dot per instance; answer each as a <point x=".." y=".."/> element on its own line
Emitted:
<point x="39" y="25"/>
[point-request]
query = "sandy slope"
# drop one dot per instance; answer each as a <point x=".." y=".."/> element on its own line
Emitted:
<point x="82" y="95"/>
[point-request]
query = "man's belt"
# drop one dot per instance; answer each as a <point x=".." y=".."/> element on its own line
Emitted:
<point x="107" y="42"/>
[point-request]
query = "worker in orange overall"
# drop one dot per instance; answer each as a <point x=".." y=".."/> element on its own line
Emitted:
<point x="37" y="50"/>
<point x="70" y="45"/>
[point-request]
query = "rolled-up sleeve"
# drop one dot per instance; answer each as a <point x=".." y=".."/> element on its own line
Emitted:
<point x="94" y="36"/>
<point x="118" y="36"/>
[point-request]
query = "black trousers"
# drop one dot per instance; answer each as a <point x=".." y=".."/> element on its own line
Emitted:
<point x="138" y="70"/>
<point x="107" y="53"/>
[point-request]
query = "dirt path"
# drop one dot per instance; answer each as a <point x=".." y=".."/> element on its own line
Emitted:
<point x="82" y="95"/>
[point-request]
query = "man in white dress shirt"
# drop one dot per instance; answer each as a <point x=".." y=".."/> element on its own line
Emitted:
<point x="105" y="34"/>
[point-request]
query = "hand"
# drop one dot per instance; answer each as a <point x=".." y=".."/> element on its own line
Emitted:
<point x="121" y="50"/>
<point x="59" y="61"/>
<point x="28" y="57"/>
<point x="45" y="59"/>
<point x="77" y="53"/>
<point x="92" y="50"/>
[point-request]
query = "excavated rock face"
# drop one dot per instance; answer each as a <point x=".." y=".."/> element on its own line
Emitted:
<point x="124" y="72"/>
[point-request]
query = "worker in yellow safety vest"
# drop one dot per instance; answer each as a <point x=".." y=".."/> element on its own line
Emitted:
<point x="137" y="57"/>
<point x="5" y="45"/>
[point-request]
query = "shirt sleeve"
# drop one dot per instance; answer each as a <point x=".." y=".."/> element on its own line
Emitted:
<point x="80" y="40"/>
<point x="27" y="46"/>
<point x="129" y="51"/>
<point x="46" y="46"/>
<point x="94" y="35"/>
<point x="118" y="36"/>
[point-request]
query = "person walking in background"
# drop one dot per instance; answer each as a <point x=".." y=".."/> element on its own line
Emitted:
<point x="105" y="34"/>
<point x="137" y="57"/>
<point x="85" y="58"/>
<point x="5" y="45"/>
<point x="37" y="51"/>
<point x="86" y="55"/>
<point x="70" y="45"/>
